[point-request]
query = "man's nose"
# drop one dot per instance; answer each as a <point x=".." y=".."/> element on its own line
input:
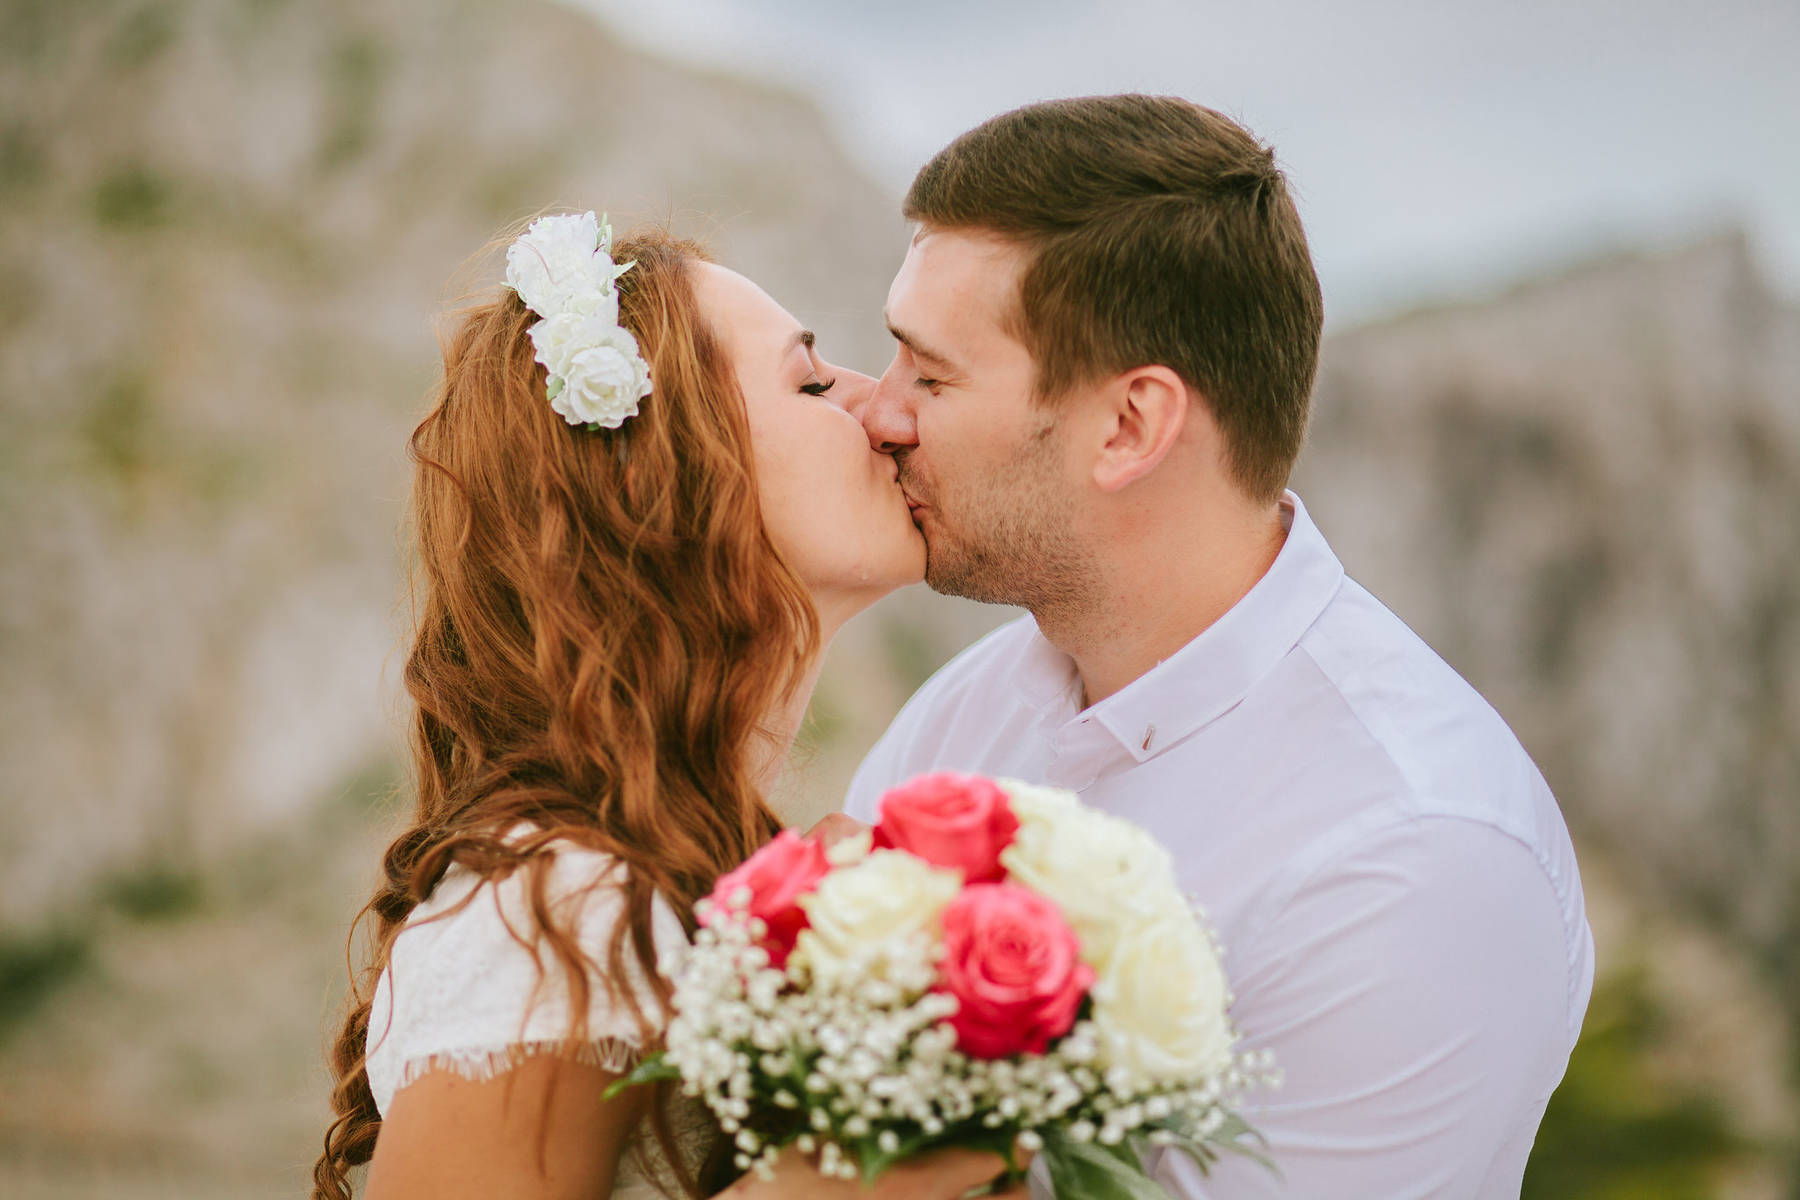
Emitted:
<point x="886" y="413"/>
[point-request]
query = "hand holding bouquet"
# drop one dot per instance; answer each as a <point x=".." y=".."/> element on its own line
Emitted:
<point x="995" y="964"/>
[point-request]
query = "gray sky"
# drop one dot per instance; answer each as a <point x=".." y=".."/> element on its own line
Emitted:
<point x="1437" y="149"/>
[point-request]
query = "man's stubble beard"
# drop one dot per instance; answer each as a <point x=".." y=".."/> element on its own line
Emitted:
<point x="1014" y="542"/>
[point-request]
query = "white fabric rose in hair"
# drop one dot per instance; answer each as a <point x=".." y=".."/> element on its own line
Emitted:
<point x="1106" y="874"/>
<point x="1159" y="1006"/>
<point x="558" y="264"/>
<point x="858" y="917"/>
<point x="597" y="374"/>
<point x="563" y="270"/>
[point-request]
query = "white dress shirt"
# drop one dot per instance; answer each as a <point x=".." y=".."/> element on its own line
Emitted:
<point x="1391" y="878"/>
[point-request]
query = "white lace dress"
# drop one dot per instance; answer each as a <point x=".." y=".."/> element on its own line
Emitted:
<point x="461" y="994"/>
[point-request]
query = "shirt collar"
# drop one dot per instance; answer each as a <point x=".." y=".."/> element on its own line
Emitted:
<point x="1046" y="677"/>
<point x="1208" y="677"/>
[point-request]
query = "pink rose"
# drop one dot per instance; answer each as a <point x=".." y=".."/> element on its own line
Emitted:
<point x="777" y="876"/>
<point x="1015" y="968"/>
<point x="950" y="820"/>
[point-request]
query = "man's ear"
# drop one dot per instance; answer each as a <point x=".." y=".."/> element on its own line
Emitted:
<point x="1148" y="411"/>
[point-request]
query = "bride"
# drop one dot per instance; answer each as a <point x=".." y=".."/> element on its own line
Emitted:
<point x="641" y="511"/>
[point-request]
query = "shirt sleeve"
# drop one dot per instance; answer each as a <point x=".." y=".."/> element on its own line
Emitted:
<point x="1415" y="994"/>
<point x="462" y="993"/>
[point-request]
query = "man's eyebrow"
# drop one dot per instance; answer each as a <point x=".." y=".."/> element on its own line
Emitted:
<point x="919" y="351"/>
<point x="804" y="337"/>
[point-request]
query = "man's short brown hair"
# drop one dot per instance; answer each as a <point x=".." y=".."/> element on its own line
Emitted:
<point x="1160" y="232"/>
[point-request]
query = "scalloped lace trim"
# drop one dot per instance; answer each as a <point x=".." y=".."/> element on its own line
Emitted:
<point x="480" y="1064"/>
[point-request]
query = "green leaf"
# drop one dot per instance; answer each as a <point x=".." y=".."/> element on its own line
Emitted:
<point x="1096" y="1172"/>
<point x="874" y="1160"/>
<point x="553" y="386"/>
<point x="1237" y="1136"/>
<point x="1234" y="1136"/>
<point x="653" y="1068"/>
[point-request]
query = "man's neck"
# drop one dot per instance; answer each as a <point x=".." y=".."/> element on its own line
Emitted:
<point x="1157" y="595"/>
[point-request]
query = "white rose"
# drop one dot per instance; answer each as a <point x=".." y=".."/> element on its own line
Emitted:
<point x="596" y="372"/>
<point x="603" y="305"/>
<point x="560" y="260"/>
<point x="1160" y="1005"/>
<point x="859" y="915"/>
<point x="558" y="339"/>
<point x="852" y="849"/>
<point x="1105" y="873"/>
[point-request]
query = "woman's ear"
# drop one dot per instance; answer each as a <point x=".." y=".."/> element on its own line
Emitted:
<point x="1148" y="411"/>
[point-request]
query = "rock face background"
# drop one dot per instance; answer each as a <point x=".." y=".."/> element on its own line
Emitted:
<point x="226" y="227"/>
<point x="229" y="226"/>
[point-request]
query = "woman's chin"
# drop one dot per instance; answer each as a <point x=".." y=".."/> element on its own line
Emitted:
<point x="905" y="567"/>
<point x="899" y="559"/>
<point x="844" y="597"/>
<point x="914" y="568"/>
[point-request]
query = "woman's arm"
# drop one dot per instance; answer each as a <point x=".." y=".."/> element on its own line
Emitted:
<point x="543" y="1132"/>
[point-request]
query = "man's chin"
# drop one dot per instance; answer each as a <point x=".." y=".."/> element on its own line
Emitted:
<point x="948" y="575"/>
<point x="937" y="575"/>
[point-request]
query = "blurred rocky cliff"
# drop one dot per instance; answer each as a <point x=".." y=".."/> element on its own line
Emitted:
<point x="226" y="229"/>
<point x="228" y="226"/>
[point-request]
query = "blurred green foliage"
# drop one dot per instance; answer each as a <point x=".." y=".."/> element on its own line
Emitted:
<point x="133" y="198"/>
<point x="912" y="656"/>
<point x="118" y="425"/>
<point x="825" y="720"/>
<point x="356" y="69"/>
<point x="33" y="967"/>
<point x="155" y="892"/>
<point x="1614" y="1130"/>
<point x="377" y="788"/>
<point x="22" y="160"/>
<point x="143" y="34"/>
<point x="30" y="29"/>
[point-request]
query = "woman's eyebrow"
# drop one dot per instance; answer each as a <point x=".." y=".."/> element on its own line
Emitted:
<point x="799" y="338"/>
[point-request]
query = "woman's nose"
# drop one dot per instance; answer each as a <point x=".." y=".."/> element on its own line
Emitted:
<point x="853" y="390"/>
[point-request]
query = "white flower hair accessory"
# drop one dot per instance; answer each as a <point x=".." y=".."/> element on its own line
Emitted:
<point x="562" y="268"/>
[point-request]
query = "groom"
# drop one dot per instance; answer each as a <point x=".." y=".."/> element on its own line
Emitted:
<point x="1107" y="329"/>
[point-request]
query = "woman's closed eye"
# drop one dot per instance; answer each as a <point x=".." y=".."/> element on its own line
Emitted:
<point x="818" y="387"/>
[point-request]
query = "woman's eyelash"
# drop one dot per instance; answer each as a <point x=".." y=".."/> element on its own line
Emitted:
<point x="818" y="387"/>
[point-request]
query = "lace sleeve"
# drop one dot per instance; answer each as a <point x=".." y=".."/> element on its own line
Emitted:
<point x="461" y="994"/>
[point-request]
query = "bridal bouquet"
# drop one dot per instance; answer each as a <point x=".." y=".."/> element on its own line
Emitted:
<point x="995" y="964"/>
